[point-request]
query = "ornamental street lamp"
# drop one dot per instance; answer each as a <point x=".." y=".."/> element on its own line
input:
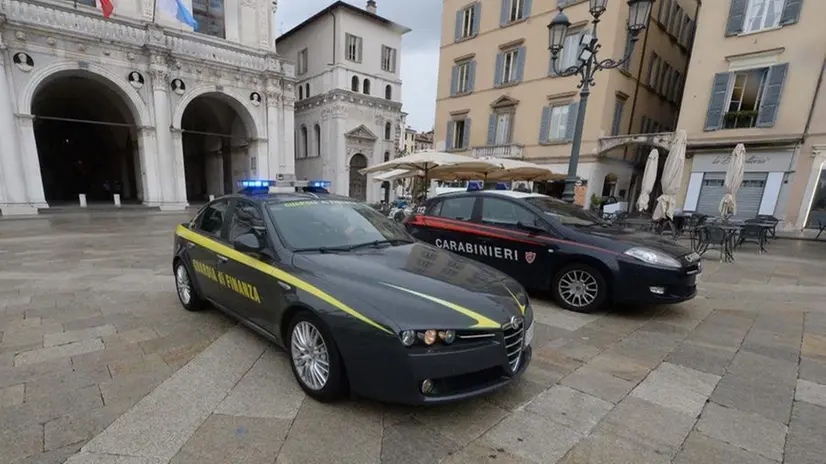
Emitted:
<point x="588" y="64"/>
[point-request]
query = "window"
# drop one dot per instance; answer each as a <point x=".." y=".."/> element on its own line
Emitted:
<point x="302" y="62"/>
<point x="387" y="129"/>
<point x="516" y="10"/>
<point x="300" y="92"/>
<point x="763" y="14"/>
<point x="317" y="134"/>
<point x="619" y="107"/>
<point x="458" y="134"/>
<point x="354" y="84"/>
<point x="245" y="219"/>
<point x="458" y="208"/>
<point x="558" y="127"/>
<point x="713" y="182"/>
<point x="744" y="101"/>
<point x="570" y="51"/>
<point x="467" y="22"/>
<point x="653" y="71"/>
<point x="388" y="92"/>
<point x="352" y="47"/>
<point x="627" y="64"/>
<point x="565" y="213"/>
<point x="501" y="128"/>
<point x="503" y="212"/>
<point x="307" y="90"/>
<point x="462" y="77"/>
<point x="210" y="17"/>
<point x="304" y="142"/>
<point x="509" y="66"/>
<point x="365" y="87"/>
<point x="388" y="59"/>
<point x="212" y="219"/>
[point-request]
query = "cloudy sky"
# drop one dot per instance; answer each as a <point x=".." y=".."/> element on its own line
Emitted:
<point x="420" y="48"/>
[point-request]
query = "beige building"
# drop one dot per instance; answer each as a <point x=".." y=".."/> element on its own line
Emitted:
<point x="498" y="96"/>
<point x="756" y="77"/>
<point x="416" y="141"/>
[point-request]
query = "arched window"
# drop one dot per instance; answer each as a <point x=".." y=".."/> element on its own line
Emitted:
<point x="366" y="86"/>
<point x="354" y="86"/>
<point x="307" y="90"/>
<point x="300" y="92"/>
<point x="387" y="129"/>
<point x="304" y="140"/>
<point x="388" y="92"/>
<point x="387" y="156"/>
<point x="317" y="135"/>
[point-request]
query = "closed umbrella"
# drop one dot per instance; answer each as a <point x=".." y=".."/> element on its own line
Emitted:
<point x="734" y="177"/>
<point x="672" y="177"/>
<point x="649" y="177"/>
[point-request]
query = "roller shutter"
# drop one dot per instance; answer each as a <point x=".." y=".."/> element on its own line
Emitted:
<point x="748" y="198"/>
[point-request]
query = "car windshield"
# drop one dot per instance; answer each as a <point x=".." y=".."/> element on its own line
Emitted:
<point x="333" y="224"/>
<point x="565" y="213"/>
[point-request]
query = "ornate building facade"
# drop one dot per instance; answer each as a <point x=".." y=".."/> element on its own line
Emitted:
<point x="348" y="109"/>
<point x="139" y="105"/>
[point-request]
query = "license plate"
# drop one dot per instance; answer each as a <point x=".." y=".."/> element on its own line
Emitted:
<point x="529" y="335"/>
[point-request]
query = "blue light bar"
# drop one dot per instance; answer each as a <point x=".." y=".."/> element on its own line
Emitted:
<point x="320" y="183"/>
<point x="501" y="186"/>
<point x="252" y="183"/>
<point x="474" y="186"/>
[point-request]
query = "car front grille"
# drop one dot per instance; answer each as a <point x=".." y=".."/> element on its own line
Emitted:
<point x="514" y="332"/>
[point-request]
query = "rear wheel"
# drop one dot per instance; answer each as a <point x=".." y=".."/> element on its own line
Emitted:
<point x="315" y="359"/>
<point x="579" y="287"/>
<point x="187" y="294"/>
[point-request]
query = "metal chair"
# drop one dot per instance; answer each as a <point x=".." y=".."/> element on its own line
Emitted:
<point x="715" y="238"/>
<point x="769" y="219"/>
<point x="751" y="232"/>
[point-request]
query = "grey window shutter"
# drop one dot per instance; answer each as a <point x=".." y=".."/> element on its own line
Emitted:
<point x="651" y="68"/>
<point x="666" y="15"/>
<point x="573" y="108"/>
<point x="449" y="136"/>
<point x="497" y="74"/>
<point x="520" y="64"/>
<point x="503" y="14"/>
<point x="477" y="15"/>
<point x="526" y="8"/>
<point x="791" y="12"/>
<point x="454" y="80"/>
<point x="458" y="33"/>
<point x="466" y="135"/>
<point x="492" y="129"/>
<point x="615" y="127"/>
<point x="736" y="17"/>
<point x="717" y="103"/>
<point x="545" y="125"/>
<point x="627" y="65"/>
<point x="471" y="75"/>
<point x="770" y="103"/>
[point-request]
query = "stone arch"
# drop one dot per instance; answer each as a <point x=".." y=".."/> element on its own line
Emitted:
<point x="354" y="84"/>
<point x="241" y="105"/>
<point x="365" y="86"/>
<point x="118" y="83"/>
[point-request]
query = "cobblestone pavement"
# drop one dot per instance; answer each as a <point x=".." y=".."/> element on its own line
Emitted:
<point x="95" y="353"/>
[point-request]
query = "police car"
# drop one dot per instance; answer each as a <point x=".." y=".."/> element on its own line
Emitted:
<point x="356" y="302"/>
<point x="545" y="243"/>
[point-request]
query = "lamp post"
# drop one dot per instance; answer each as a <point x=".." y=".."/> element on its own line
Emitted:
<point x="588" y="64"/>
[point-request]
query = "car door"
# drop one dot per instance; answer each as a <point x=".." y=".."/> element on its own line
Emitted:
<point x="204" y="260"/>
<point x="250" y="290"/>
<point x="443" y="224"/>
<point x="524" y="253"/>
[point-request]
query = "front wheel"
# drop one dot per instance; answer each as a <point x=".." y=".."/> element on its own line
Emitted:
<point x="580" y="288"/>
<point x="187" y="294"/>
<point x="315" y="359"/>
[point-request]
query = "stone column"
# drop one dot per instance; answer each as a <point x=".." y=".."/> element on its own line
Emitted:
<point x="13" y="195"/>
<point x="166" y="155"/>
<point x="31" y="162"/>
<point x="270" y="167"/>
<point x="150" y="175"/>
<point x="179" y="168"/>
<point x="338" y="149"/>
<point x="286" y="162"/>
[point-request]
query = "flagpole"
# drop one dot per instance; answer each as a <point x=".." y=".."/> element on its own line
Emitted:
<point x="154" y="9"/>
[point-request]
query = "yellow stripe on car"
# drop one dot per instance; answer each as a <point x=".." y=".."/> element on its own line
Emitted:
<point x="237" y="256"/>
<point x="482" y="322"/>
<point x="521" y="306"/>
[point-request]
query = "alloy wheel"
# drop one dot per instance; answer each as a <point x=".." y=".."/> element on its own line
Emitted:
<point x="183" y="284"/>
<point x="578" y="288"/>
<point x="310" y="355"/>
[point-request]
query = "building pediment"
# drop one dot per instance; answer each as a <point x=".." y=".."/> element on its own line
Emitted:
<point x="504" y="101"/>
<point x="362" y="133"/>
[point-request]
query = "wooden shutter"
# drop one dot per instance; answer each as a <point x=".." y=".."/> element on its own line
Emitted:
<point x="770" y="102"/>
<point x="520" y="64"/>
<point x="545" y="125"/>
<point x="497" y="74"/>
<point x="477" y="15"/>
<point x="503" y="13"/>
<point x="492" y="129"/>
<point x="717" y="103"/>
<point x="573" y="108"/>
<point x="615" y="126"/>
<point x="458" y="33"/>
<point x="471" y="75"/>
<point x="454" y="79"/>
<point x="466" y="137"/>
<point x="791" y="12"/>
<point x="526" y="8"/>
<point x="449" y="136"/>
<point x="736" y="17"/>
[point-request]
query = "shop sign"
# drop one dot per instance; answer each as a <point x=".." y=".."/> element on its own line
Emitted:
<point x="758" y="162"/>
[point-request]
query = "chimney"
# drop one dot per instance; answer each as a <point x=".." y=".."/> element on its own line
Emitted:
<point x="371" y="6"/>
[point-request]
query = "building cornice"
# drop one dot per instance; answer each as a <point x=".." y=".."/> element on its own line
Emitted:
<point x="347" y="96"/>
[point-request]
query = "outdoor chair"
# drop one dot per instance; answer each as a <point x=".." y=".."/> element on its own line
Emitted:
<point x="750" y="232"/>
<point x="769" y="219"/>
<point x="714" y="238"/>
<point x="692" y="226"/>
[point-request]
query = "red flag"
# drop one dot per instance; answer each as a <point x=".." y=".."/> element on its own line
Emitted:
<point x="107" y="7"/>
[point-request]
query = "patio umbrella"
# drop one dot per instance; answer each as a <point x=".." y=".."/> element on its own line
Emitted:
<point x="500" y="169"/>
<point x="397" y="174"/>
<point x="649" y="177"/>
<point x="672" y="177"/>
<point x="734" y="177"/>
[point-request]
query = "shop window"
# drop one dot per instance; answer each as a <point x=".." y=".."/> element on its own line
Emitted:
<point x="817" y="215"/>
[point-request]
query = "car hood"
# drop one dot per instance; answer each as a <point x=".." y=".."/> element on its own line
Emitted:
<point x="631" y="238"/>
<point x="419" y="286"/>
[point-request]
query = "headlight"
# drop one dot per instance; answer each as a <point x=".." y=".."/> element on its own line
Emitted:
<point x="408" y="337"/>
<point x="427" y="337"/>
<point x="654" y="257"/>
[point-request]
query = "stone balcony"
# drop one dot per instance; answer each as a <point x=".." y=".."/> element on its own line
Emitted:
<point x="60" y="18"/>
<point x="511" y="151"/>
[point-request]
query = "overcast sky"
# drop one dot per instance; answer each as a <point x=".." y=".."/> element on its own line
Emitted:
<point x="420" y="48"/>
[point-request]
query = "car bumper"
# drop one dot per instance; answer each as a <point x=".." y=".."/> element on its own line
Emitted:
<point x="458" y="372"/>
<point x="643" y="284"/>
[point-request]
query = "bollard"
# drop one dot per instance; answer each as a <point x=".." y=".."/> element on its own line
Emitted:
<point x="82" y="198"/>
<point x="211" y="197"/>
<point x="117" y="200"/>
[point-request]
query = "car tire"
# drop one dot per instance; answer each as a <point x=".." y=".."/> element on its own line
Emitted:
<point x="580" y="288"/>
<point x="185" y="288"/>
<point x="303" y="329"/>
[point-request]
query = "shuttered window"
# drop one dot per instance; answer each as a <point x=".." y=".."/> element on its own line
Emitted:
<point x="744" y="99"/>
<point x="510" y="66"/>
<point x="467" y="21"/>
<point x="756" y="15"/>
<point x="558" y="123"/>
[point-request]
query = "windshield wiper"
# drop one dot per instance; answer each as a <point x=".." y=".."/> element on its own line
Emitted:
<point x="379" y="242"/>
<point x="324" y="249"/>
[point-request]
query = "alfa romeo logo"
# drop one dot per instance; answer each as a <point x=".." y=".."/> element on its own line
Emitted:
<point x="530" y="256"/>
<point x="516" y="322"/>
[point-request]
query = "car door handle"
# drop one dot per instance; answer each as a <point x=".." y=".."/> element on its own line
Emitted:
<point x="222" y="259"/>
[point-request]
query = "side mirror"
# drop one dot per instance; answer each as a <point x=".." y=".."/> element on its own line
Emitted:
<point x="248" y="243"/>
<point x="533" y="228"/>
